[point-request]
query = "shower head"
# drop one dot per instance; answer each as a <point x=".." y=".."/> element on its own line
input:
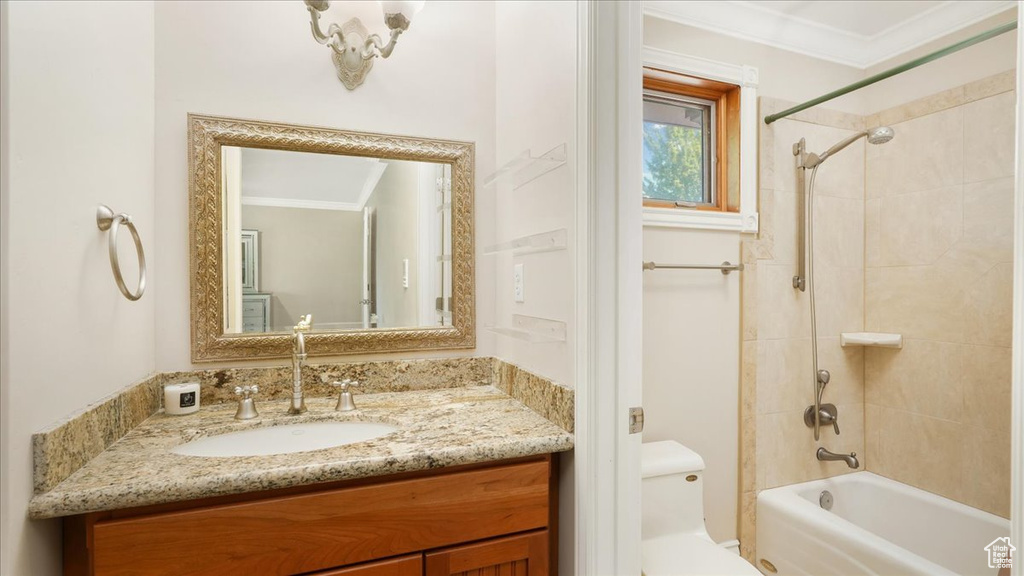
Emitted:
<point x="879" y="135"/>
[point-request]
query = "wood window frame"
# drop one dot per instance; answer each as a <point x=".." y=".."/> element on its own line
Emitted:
<point x="727" y="133"/>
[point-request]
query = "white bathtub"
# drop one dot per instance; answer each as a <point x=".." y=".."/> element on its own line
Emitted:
<point x="876" y="526"/>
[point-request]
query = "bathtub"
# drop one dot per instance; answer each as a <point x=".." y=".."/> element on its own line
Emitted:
<point x="876" y="526"/>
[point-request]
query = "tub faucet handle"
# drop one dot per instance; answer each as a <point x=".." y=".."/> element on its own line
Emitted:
<point x="827" y="414"/>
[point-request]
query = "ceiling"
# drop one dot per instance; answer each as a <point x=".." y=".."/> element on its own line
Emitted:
<point x="862" y="18"/>
<point x="855" y="33"/>
<point x="305" y="180"/>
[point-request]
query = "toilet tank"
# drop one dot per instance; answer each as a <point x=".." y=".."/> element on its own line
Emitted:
<point x="672" y="490"/>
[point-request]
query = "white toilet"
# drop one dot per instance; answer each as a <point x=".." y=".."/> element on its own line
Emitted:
<point x="675" y="540"/>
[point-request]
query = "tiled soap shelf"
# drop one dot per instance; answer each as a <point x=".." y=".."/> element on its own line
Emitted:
<point x="877" y="339"/>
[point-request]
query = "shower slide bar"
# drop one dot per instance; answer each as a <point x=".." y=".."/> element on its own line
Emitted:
<point x="725" y="267"/>
<point x="894" y="71"/>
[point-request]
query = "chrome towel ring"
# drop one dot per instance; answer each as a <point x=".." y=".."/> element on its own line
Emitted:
<point x="107" y="220"/>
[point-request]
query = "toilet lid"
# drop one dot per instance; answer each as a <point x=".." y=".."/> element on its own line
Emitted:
<point x="682" y="555"/>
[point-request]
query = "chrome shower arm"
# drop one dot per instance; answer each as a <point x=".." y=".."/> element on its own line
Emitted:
<point x="812" y="160"/>
<point x="839" y="146"/>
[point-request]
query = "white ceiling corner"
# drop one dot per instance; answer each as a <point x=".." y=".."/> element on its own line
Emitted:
<point x="860" y="34"/>
<point x="372" y="179"/>
<point x="286" y="179"/>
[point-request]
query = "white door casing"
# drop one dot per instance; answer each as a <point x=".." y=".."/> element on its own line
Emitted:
<point x="609" y="287"/>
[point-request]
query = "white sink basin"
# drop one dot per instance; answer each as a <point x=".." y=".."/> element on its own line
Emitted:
<point x="285" y="439"/>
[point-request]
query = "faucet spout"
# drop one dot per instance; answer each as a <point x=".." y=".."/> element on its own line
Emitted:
<point x="298" y="405"/>
<point x="850" y="459"/>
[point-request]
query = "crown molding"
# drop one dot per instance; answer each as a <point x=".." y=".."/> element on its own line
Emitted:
<point x="755" y="23"/>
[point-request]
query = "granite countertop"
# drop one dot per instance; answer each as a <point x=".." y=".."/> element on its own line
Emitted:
<point x="437" y="428"/>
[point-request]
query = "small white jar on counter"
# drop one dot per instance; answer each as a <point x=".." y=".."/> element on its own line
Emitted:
<point x="181" y="398"/>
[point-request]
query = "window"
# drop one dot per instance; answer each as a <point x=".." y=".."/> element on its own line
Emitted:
<point x="691" y="142"/>
<point x="677" y="149"/>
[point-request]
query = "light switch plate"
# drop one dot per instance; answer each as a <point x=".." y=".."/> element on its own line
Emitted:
<point x="517" y="283"/>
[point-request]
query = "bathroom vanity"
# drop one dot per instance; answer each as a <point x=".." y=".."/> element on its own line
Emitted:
<point x="467" y="481"/>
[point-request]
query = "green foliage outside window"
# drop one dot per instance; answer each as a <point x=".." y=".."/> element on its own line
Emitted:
<point x="673" y="163"/>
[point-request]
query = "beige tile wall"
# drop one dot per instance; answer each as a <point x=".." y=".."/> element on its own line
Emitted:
<point x="914" y="237"/>
<point x="776" y="381"/>
<point x="938" y="258"/>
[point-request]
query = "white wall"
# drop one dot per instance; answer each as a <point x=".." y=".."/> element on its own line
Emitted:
<point x="78" y="132"/>
<point x="979" y="61"/>
<point x="536" y="110"/>
<point x="691" y="360"/>
<point x="258" y="60"/>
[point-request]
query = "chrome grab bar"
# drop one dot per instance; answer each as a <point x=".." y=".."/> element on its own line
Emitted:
<point x="725" y="267"/>
<point x="107" y="220"/>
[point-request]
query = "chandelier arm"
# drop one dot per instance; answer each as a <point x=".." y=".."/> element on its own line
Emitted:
<point x="334" y="36"/>
<point x="374" y="45"/>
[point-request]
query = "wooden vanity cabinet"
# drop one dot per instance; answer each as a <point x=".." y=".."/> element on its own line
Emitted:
<point x="497" y="518"/>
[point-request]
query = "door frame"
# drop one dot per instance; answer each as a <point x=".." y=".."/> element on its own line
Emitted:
<point x="609" y="283"/>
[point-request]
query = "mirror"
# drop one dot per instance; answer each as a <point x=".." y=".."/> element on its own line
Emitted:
<point x="369" y="233"/>
<point x="358" y="242"/>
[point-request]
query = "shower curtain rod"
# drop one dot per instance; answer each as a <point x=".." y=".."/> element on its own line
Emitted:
<point x="894" y="71"/>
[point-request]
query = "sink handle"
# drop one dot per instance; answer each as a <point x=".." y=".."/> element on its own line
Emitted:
<point x="346" y="384"/>
<point x="346" y="403"/>
<point x="246" y="391"/>
<point x="246" y="403"/>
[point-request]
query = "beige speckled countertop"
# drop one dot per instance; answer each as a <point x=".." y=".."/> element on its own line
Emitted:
<point x="437" y="428"/>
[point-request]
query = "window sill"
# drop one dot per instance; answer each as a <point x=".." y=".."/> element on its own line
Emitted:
<point x="700" y="219"/>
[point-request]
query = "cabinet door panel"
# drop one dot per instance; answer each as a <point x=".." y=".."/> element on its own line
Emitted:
<point x="523" y="555"/>
<point x="404" y="566"/>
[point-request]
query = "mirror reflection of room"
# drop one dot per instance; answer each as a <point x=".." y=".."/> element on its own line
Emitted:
<point x="357" y="242"/>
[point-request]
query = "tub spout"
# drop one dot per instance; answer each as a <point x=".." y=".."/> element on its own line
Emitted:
<point x="850" y="459"/>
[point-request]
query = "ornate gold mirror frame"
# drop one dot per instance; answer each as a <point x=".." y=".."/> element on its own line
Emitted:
<point x="206" y="135"/>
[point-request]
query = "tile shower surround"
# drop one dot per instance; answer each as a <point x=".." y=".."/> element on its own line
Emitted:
<point x="67" y="445"/>
<point x="927" y="214"/>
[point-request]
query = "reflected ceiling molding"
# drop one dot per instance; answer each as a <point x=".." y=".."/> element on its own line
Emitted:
<point x="369" y="185"/>
<point x="294" y="203"/>
<point x="372" y="179"/>
<point x="756" y="22"/>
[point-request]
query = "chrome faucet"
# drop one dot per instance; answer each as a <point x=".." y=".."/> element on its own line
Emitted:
<point x="298" y="359"/>
<point x="850" y="459"/>
<point x="828" y="415"/>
